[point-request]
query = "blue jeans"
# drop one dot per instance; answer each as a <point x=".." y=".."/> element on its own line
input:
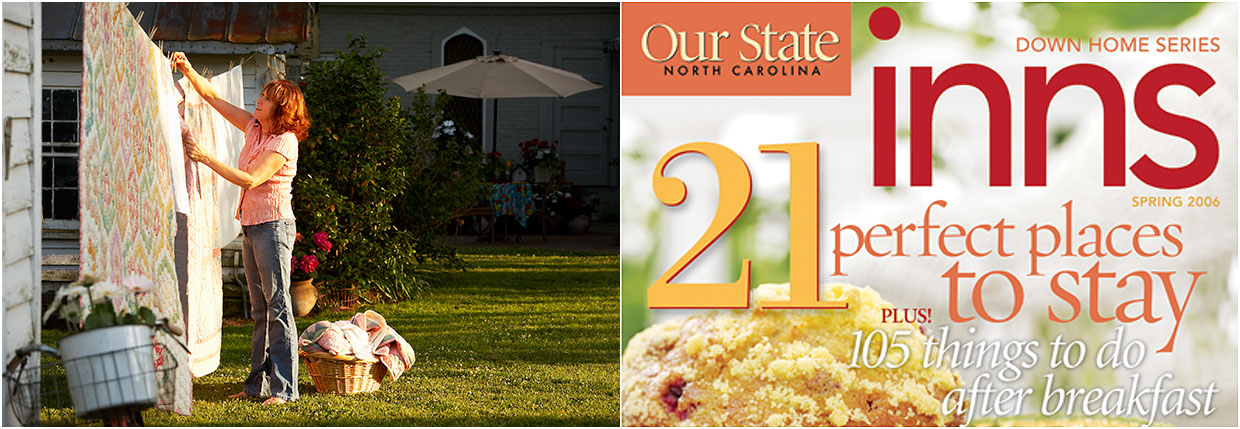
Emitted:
<point x="267" y="249"/>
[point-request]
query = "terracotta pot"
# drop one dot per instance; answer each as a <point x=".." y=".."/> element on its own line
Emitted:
<point x="304" y="296"/>
<point x="579" y="224"/>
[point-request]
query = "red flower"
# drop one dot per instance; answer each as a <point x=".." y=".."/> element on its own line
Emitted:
<point x="309" y="263"/>
<point x="294" y="266"/>
<point x="542" y="144"/>
<point x="298" y="238"/>
<point x="320" y="241"/>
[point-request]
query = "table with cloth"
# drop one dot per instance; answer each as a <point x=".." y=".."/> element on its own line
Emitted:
<point x="513" y="199"/>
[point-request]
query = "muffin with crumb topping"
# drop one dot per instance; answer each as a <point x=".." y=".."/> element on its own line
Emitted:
<point x="780" y="368"/>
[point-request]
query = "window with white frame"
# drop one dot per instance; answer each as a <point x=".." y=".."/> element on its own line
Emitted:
<point x="61" y="126"/>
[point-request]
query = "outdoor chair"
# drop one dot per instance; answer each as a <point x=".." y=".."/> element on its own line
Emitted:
<point x="459" y="219"/>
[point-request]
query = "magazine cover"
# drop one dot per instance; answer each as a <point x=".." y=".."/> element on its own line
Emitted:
<point x="928" y="214"/>
<point x="310" y="214"/>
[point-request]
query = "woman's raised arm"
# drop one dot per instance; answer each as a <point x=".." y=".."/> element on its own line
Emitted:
<point x="235" y="115"/>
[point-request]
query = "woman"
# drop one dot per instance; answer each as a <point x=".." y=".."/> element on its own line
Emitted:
<point x="265" y="173"/>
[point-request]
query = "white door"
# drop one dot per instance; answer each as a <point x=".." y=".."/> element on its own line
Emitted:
<point x="578" y="121"/>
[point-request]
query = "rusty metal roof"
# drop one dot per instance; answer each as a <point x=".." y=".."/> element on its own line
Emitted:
<point x="243" y="23"/>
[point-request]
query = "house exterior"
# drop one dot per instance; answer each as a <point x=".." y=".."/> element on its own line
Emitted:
<point x="22" y="181"/>
<point x="578" y="37"/>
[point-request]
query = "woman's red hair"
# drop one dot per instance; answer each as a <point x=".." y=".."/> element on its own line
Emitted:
<point x="290" y="113"/>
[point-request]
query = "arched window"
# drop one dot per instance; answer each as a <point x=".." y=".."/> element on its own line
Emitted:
<point x="465" y="111"/>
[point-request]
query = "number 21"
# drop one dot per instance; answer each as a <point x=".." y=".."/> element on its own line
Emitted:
<point x="735" y="187"/>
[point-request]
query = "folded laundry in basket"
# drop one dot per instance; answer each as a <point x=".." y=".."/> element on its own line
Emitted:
<point x="365" y="336"/>
<point x="386" y="344"/>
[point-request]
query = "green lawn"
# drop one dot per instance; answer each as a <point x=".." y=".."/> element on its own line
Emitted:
<point x="526" y="338"/>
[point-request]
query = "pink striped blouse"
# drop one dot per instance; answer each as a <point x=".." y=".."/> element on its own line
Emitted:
<point x="272" y="200"/>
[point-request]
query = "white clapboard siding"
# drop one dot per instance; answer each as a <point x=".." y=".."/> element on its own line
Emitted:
<point x="22" y="167"/>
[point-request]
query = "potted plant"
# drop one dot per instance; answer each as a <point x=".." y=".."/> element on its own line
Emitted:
<point x="539" y="158"/>
<point x="574" y="207"/>
<point x="110" y="358"/>
<point x="307" y="255"/>
<point x="580" y="210"/>
<point x="497" y="169"/>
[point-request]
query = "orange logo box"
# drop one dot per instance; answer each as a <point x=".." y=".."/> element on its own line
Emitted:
<point x="736" y="48"/>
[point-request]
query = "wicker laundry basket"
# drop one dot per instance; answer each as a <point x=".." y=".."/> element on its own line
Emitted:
<point x="343" y="374"/>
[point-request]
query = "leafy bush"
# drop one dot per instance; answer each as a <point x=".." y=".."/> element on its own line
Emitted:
<point x="447" y="168"/>
<point x="361" y="167"/>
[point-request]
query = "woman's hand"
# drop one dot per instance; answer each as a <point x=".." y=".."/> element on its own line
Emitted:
<point x="192" y="150"/>
<point x="180" y="62"/>
<point x="236" y="116"/>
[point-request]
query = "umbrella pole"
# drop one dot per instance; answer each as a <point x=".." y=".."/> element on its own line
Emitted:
<point x="494" y="123"/>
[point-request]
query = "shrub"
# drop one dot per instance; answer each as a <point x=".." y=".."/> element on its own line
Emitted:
<point x="446" y="164"/>
<point x="356" y="165"/>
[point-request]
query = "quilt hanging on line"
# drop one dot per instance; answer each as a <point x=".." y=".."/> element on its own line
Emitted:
<point x="130" y="160"/>
<point x="198" y="258"/>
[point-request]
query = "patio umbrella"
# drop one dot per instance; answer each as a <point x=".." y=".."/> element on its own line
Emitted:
<point x="498" y="76"/>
